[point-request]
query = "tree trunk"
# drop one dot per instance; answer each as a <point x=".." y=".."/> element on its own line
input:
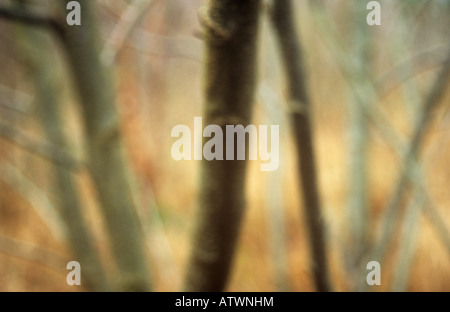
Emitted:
<point x="35" y="49"/>
<point x="106" y="160"/>
<point x="291" y="51"/>
<point x="357" y="213"/>
<point x="230" y="32"/>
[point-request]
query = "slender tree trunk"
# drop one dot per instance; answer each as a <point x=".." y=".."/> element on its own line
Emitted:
<point x="106" y="160"/>
<point x="412" y="155"/>
<point x="283" y="22"/>
<point x="34" y="46"/>
<point x="357" y="214"/>
<point x="230" y="32"/>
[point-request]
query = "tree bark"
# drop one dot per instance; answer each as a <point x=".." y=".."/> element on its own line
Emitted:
<point x="230" y="32"/>
<point x="357" y="212"/>
<point x="291" y="51"/>
<point x="35" y="49"/>
<point x="412" y="155"/>
<point x="106" y="160"/>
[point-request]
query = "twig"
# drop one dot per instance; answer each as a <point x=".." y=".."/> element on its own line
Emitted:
<point x="129" y="20"/>
<point x="424" y="61"/>
<point x="107" y="164"/>
<point x="430" y="210"/>
<point x="275" y="205"/>
<point x="442" y="230"/>
<point x="32" y="253"/>
<point x="64" y="188"/>
<point x="8" y="105"/>
<point x="175" y="46"/>
<point x="377" y="117"/>
<point x="21" y="102"/>
<point x="158" y="243"/>
<point x="408" y="242"/>
<point x="34" y="195"/>
<point x="42" y="149"/>
<point x="420" y="129"/>
<point x="358" y="73"/>
<point x="32" y="19"/>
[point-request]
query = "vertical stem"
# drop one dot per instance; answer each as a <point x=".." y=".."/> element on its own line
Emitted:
<point x="274" y="187"/>
<point x="106" y="161"/>
<point x="283" y="22"/>
<point x="34" y="47"/>
<point x="359" y="75"/>
<point x="411" y="223"/>
<point x="410" y="229"/>
<point x="231" y="28"/>
<point x="390" y="216"/>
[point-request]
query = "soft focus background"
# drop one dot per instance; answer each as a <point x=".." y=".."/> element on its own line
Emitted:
<point x="368" y="86"/>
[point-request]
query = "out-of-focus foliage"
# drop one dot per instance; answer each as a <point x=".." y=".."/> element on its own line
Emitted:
<point x="158" y="82"/>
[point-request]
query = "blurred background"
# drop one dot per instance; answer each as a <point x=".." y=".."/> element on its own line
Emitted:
<point x="369" y="87"/>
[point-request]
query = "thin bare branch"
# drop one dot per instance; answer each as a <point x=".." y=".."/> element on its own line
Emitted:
<point x="32" y="253"/>
<point x="14" y="100"/>
<point x="129" y="20"/>
<point x="408" y="243"/>
<point x="66" y="195"/>
<point x="107" y="161"/>
<point x="420" y="129"/>
<point x="20" y="16"/>
<point x="34" y="195"/>
<point x="407" y="69"/>
<point x="42" y="149"/>
<point x="276" y="203"/>
<point x="380" y="120"/>
<point x="440" y="227"/>
<point x="298" y="95"/>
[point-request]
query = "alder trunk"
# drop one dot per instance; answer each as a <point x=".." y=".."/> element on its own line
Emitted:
<point x="106" y="159"/>
<point x="230" y="34"/>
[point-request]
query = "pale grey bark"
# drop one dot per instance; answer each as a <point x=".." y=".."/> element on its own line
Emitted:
<point x="106" y="159"/>
<point x="410" y="159"/>
<point x="359" y="74"/>
<point x="35" y="48"/>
